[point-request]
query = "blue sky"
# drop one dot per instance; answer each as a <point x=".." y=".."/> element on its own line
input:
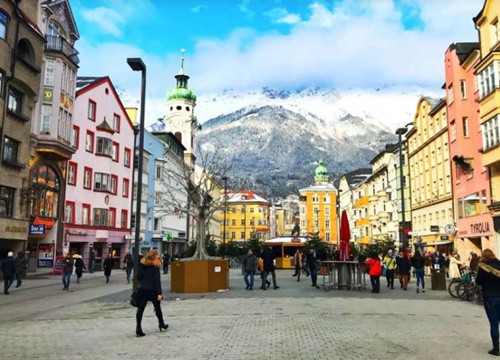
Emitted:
<point x="246" y="44"/>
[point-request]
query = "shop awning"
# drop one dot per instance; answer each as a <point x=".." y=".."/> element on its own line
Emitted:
<point x="444" y="242"/>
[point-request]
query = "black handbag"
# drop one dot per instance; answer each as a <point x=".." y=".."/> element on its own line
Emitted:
<point x="134" y="299"/>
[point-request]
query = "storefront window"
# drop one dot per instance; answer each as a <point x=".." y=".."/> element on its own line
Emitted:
<point x="45" y="192"/>
<point x="472" y="205"/>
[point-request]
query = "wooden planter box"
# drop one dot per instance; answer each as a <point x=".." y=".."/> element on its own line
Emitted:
<point x="199" y="276"/>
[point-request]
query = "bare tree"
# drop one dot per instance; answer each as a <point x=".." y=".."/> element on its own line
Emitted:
<point x="196" y="191"/>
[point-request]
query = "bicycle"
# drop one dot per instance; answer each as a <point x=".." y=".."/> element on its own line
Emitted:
<point x="234" y="262"/>
<point x="457" y="287"/>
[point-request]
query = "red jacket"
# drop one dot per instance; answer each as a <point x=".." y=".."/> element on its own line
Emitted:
<point x="375" y="267"/>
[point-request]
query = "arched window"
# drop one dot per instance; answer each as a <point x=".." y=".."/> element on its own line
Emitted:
<point x="25" y="51"/>
<point x="45" y="185"/>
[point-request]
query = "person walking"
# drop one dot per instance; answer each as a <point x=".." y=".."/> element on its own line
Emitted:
<point x="9" y="271"/>
<point x="417" y="261"/>
<point x="249" y="265"/>
<point x="149" y="290"/>
<point x="91" y="261"/>
<point x="404" y="268"/>
<point x="375" y="270"/>
<point x="79" y="267"/>
<point x="304" y="264"/>
<point x="67" y="271"/>
<point x="21" y="267"/>
<point x="108" y="266"/>
<point x="165" y="258"/>
<point x="312" y="263"/>
<point x="128" y="264"/>
<point x="297" y="261"/>
<point x="488" y="276"/>
<point x="269" y="257"/>
<point x="390" y="268"/>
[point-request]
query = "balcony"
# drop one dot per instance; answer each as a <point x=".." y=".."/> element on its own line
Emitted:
<point x="383" y="216"/>
<point x="59" y="44"/>
<point x="382" y="194"/>
<point x="362" y="222"/>
<point x="362" y="201"/>
<point x="373" y="198"/>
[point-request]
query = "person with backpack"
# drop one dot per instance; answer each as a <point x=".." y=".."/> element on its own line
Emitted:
<point x="417" y="261"/>
<point x="375" y="270"/>
<point x="390" y="268"/>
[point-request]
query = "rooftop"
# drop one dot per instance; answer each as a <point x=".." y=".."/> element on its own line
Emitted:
<point x="245" y="196"/>
<point x="84" y="81"/>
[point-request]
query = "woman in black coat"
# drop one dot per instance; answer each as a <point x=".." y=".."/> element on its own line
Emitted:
<point x="79" y="266"/>
<point x="149" y="290"/>
<point x="108" y="266"/>
<point x="488" y="276"/>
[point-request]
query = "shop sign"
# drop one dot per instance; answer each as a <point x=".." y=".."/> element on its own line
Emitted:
<point x="48" y="222"/>
<point x="445" y="237"/>
<point x="47" y="95"/>
<point x="450" y="229"/>
<point x="480" y="228"/>
<point x="45" y="255"/>
<point x="15" y="229"/>
<point x="296" y="240"/>
<point x="435" y="228"/>
<point x="79" y="232"/>
<point x="37" y="229"/>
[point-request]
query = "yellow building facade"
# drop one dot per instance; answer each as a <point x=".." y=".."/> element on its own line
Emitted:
<point x="361" y="206"/>
<point x="318" y="207"/>
<point x="246" y="213"/>
<point x="488" y="24"/>
<point x="430" y="176"/>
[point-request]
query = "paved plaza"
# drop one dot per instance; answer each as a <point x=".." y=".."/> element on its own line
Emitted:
<point x="95" y="321"/>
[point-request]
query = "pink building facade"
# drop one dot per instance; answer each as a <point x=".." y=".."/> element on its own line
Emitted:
<point x="471" y="189"/>
<point x="99" y="176"/>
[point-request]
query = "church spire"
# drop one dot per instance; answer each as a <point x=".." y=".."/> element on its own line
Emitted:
<point x="182" y="78"/>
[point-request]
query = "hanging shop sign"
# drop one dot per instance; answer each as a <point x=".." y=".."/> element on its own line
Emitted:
<point x="450" y="229"/>
<point x="38" y="230"/>
<point x="48" y="222"/>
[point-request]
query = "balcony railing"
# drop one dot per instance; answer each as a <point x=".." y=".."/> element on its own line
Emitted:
<point x="59" y="44"/>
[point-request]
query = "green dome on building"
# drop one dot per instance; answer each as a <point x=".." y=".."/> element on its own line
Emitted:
<point x="181" y="93"/>
<point x="321" y="172"/>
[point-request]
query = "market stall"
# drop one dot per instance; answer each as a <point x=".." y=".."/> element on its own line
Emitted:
<point x="284" y="248"/>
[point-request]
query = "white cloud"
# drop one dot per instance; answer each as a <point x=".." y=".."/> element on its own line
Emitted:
<point x="108" y="20"/>
<point x="280" y="15"/>
<point x="198" y="8"/>
<point x="244" y="8"/>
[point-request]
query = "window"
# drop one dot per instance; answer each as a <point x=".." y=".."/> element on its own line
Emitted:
<point x="75" y="137"/>
<point x="48" y="79"/>
<point x="6" y="201"/>
<point x="101" y="182"/>
<point x="72" y="173"/>
<point x="114" y="184"/>
<point x="495" y="32"/>
<point x="233" y="222"/>
<point x="100" y="217"/>
<point x="44" y="199"/>
<point x="243" y="235"/>
<point x="450" y="94"/>
<point x="126" y="157"/>
<point x="46" y="119"/>
<point x="327" y="224"/>
<point x="463" y="89"/>
<point x="453" y="131"/>
<point x="124" y="219"/>
<point x="465" y="126"/>
<point x="116" y="123"/>
<point x="158" y="172"/>
<point x="491" y="133"/>
<point x="85" y="214"/>
<point x="156" y="224"/>
<point x="91" y="111"/>
<point x="125" y="187"/>
<point x="69" y="212"/>
<point x="487" y="80"/>
<point x="104" y="146"/>
<point x="243" y="222"/>
<point x="87" y="178"/>
<point x="10" y="151"/>
<point x="15" y="103"/>
<point x="112" y="217"/>
<point x="115" y="151"/>
<point x="4" y="19"/>
<point x="327" y="236"/>
<point x="89" y="141"/>
<point x="233" y="235"/>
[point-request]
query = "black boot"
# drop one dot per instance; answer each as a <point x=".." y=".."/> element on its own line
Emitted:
<point x="138" y="331"/>
<point x="495" y="351"/>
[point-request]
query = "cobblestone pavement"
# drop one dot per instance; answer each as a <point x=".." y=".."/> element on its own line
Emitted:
<point x="95" y="321"/>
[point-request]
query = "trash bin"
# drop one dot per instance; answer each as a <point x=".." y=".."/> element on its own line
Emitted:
<point x="438" y="279"/>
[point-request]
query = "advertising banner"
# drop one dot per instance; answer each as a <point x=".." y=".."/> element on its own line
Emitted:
<point x="45" y="255"/>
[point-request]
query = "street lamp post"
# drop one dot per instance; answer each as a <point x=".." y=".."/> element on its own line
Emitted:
<point x="402" y="233"/>
<point x="136" y="64"/>
<point x="225" y="211"/>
